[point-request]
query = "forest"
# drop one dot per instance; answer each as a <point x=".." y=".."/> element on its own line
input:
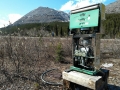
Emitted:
<point x="37" y="29"/>
<point x="112" y="26"/>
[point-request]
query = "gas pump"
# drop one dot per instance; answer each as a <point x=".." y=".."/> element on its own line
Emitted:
<point x="86" y="28"/>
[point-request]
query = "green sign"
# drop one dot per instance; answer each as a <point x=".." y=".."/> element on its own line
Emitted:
<point x="84" y="19"/>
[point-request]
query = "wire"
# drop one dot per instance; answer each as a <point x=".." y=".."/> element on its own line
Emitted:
<point x="47" y="82"/>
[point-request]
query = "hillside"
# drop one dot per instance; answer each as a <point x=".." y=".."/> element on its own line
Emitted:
<point x="42" y="15"/>
<point x="113" y="7"/>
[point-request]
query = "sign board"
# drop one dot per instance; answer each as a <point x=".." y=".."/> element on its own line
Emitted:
<point x="84" y="19"/>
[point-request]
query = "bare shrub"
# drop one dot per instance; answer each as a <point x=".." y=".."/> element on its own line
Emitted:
<point x="110" y="48"/>
<point x="27" y="58"/>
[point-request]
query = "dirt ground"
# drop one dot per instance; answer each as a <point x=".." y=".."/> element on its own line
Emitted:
<point x="22" y="68"/>
<point x="110" y="54"/>
<point x="114" y="73"/>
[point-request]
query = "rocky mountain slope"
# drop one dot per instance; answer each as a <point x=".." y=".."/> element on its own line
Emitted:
<point x="46" y="14"/>
<point x="43" y="14"/>
<point x="113" y="7"/>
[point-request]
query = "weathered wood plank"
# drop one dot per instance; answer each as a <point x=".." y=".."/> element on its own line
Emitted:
<point x="92" y="82"/>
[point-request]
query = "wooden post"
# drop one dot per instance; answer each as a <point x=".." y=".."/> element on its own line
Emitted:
<point x="96" y="46"/>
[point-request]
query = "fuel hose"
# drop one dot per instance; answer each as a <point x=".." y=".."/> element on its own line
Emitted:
<point x="48" y="82"/>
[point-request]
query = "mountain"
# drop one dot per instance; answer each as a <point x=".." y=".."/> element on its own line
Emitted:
<point x="113" y="7"/>
<point x="43" y="15"/>
<point x="46" y="14"/>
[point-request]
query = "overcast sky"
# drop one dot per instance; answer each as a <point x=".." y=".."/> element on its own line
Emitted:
<point x="12" y="10"/>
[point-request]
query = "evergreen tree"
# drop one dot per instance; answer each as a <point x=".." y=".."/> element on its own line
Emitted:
<point x="61" y="32"/>
<point x="68" y="31"/>
<point x="56" y="30"/>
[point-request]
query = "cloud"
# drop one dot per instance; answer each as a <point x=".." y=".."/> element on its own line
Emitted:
<point x="67" y="6"/>
<point x="72" y="4"/>
<point x="10" y="18"/>
<point x="3" y="23"/>
<point x="14" y="17"/>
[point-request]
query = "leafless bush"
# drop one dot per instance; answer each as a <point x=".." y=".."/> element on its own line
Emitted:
<point x="27" y="58"/>
<point x="110" y="48"/>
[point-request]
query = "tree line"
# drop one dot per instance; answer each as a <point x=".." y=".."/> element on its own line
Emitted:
<point x="112" y="26"/>
<point x="56" y="28"/>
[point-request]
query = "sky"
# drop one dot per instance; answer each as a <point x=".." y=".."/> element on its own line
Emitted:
<point x="12" y="10"/>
